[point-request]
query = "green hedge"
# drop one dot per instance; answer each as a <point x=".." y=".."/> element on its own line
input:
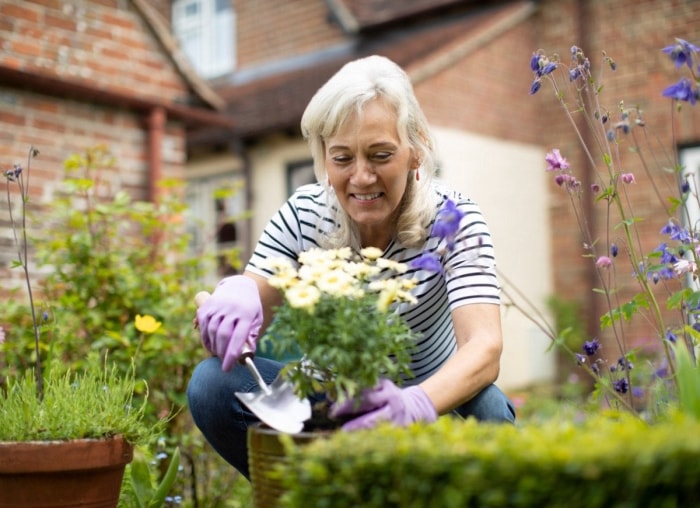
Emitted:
<point x="605" y="461"/>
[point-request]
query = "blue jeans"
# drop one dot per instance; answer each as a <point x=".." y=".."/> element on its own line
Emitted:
<point x="224" y="420"/>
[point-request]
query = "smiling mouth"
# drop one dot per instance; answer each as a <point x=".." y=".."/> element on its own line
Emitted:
<point x="367" y="197"/>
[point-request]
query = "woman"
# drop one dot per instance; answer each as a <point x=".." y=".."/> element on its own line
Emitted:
<point x="374" y="159"/>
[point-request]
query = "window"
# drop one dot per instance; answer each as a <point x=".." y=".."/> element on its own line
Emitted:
<point x="205" y="31"/>
<point x="298" y="174"/>
<point x="216" y="221"/>
<point x="689" y="157"/>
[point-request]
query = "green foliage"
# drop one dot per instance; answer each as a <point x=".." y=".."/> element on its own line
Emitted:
<point x="688" y="381"/>
<point x="337" y="310"/>
<point x="598" y="462"/>
<point x="105" y="258"/>
<point x="142" y="489"/>
<point x="108" y="259"/>
<point x="95" y="402"/>
<point x="353" y="357"/>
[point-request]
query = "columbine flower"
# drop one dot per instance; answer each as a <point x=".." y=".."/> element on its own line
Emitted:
<point x="603" y="262"/>
<point x="613" y="250"/>
<point x="447" y="223"/>
<point x="621" y="385"/>
<point x="591" y="347"/>
<point x="671" y="337"/>
<point x="684" y="266"/>
<point x="14" y="173"/>
<point x="627" y="178"/>
<point x="681" y="52"/>
<point x="555" y="161"/>
<point x="427" y="261"/>
<point x="682" y="91"/>
<point x="146" y="323"/>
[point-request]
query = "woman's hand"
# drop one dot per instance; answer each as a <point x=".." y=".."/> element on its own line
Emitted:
<point x="387" y="402"/>
<point x="230" y="319"/>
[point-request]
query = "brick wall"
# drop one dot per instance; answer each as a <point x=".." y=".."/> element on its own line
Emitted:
<point x="103" y="44"/>
<point x="270" y="30"/>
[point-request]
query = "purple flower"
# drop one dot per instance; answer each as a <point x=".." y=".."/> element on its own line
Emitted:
<point x="614" y="250"/>
<point x="627" y="178"/>
<point x="621" y="385"/>
<point x="624" y="363"/>
<point x="603" y="262"/>
<point x="2" y="335"/>
<point x="555" y="161"/>
<point x="535" y="62"/>
<point x="13" y="174"/>
<point x="580" y="359"/>
<point x="681" y="52"/>
<point x="548" y="68"/>
<point x="536" y="85"/>
<point x="427" y="261"/>
<point x="682" y="91"/>
<point x="591" y="347"/>
<point x="447" y="223"/>
<point x="671" y="337"/>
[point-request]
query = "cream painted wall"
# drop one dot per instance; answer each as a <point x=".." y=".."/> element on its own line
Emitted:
<point x="508" y="182"/>
<point x="269" y="177"/>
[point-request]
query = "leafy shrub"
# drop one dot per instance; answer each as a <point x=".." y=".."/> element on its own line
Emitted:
<point x="609" y="460"/>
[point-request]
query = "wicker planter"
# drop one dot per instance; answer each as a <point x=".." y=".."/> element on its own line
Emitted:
<point x="265" y="451"/>
<point x="53" y="474"/>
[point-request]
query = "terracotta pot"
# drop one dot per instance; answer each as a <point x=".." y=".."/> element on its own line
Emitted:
<point x="52" y="474"/>
<point x="265" y="451"/>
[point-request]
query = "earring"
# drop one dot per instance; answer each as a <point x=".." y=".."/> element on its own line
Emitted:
<point x="417" y="175"/>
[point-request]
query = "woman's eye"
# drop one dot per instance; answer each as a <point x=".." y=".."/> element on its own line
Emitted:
<point x="382" y="155"/>
<point x="341" y="159"/>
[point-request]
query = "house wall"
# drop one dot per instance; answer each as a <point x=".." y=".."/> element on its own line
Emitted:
<point x="102" y="44"/>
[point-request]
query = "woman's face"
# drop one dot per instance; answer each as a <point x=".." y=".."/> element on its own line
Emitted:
<point x="368" y="166"/>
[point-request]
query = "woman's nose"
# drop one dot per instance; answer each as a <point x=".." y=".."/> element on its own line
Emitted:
<point x="364" y="172"/>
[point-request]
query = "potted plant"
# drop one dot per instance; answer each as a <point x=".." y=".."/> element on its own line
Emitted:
<point x="66" y="435"/>
<point x="344" y="312"/>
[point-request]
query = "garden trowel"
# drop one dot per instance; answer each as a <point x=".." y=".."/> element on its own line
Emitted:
<point x="275" y="404"/>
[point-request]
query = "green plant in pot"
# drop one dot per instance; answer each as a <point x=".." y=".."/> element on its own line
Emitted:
<point x="343" y="312"/>
<point x="76" y="429"/>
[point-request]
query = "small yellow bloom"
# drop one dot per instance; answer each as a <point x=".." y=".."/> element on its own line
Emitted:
<point x="146" y="323"/>
<point x="303" y="296"/>
<point x="371" y="253"/>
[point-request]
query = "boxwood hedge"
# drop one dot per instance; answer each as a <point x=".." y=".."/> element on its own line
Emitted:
<point x="608" y="460"/>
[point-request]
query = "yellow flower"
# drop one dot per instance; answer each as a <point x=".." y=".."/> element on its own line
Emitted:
<point x="303" y="296"/>
<point x="392" y="265"/>
<point x="146" y="324"/>
<point x="336" y="282"/>
<point x="371" y="253"/>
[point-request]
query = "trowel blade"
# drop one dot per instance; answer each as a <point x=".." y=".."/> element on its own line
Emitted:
<point x="282" y="409"/>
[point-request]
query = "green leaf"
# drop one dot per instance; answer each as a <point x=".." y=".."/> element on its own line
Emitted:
<point x="167" y="481"/>
<point x="141" y="481"/>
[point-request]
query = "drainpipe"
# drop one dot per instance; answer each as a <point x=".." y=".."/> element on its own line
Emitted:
<point x="588" y="178"/>
<point x="156" y="126"/>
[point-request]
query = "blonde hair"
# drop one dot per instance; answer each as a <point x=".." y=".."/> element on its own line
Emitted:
<point x="346" y="92"/>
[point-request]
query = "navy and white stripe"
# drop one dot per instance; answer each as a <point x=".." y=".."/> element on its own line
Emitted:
<point x="469" y="271"/>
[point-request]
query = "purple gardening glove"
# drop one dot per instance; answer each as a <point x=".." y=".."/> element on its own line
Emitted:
<point x="230" y="319"/>
<point x="387" y="402"/>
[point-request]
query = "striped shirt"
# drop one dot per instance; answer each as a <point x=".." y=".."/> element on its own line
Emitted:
<point x="469" y="274"/>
